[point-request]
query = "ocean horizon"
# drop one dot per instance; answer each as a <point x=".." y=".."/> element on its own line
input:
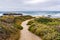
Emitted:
<point x="36" y="13"/>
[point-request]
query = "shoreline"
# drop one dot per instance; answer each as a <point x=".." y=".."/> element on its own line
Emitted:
<point x="36" y="15"/>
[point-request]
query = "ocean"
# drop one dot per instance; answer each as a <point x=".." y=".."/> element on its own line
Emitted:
<point x="37" y="13"/>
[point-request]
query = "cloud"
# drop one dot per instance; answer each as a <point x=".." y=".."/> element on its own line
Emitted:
<point x="11" y="5"/>
<point x="35" y="1"/>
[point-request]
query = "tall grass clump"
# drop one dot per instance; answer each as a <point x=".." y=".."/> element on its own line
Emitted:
<point x="10" y="26"/>
<point x="46" y="28"/>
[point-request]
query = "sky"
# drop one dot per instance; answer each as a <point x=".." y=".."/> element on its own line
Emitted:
<point x="29" y="5"/>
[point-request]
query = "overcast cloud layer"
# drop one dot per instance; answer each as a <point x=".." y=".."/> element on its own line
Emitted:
<point x="30" y="5"/>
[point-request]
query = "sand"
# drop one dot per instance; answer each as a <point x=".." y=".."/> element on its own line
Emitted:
<point x="27" y="35"/>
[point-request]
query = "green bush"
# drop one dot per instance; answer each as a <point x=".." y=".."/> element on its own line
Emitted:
<point x="30" y="22"/>
<point x="48" y="21"/>
<point x="46" y="28"/>
<point x="18" y="26"/>
<point x="52" y="36"/>
<point x="10" y="26"/>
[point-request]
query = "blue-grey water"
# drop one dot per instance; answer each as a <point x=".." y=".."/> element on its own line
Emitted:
<point x="37" y="13"/>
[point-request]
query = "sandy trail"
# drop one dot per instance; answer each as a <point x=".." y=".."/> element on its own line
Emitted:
<point x="27" y="35"/>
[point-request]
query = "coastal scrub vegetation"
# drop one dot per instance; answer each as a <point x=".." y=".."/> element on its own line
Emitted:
<point x="46" y="28"/>
<point x="10" y="26"/>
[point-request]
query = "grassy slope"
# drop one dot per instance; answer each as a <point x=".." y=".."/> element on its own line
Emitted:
<point x="46" y="28"/>
<point x="10" y="27"/>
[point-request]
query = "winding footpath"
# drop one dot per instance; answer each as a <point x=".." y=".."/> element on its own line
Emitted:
<point x="27" y="35"/>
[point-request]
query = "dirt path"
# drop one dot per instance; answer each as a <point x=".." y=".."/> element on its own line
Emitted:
<point x="27" y="35"/>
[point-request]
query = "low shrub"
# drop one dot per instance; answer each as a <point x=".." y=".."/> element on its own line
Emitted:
<point x="46" y="28"/>
<point x="30" y="22"/>
<point x="18" y="26"/>
<point x="11" y="26"/>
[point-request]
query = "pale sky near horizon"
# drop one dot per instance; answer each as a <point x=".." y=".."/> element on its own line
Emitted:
<point x="29" y="5"/>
